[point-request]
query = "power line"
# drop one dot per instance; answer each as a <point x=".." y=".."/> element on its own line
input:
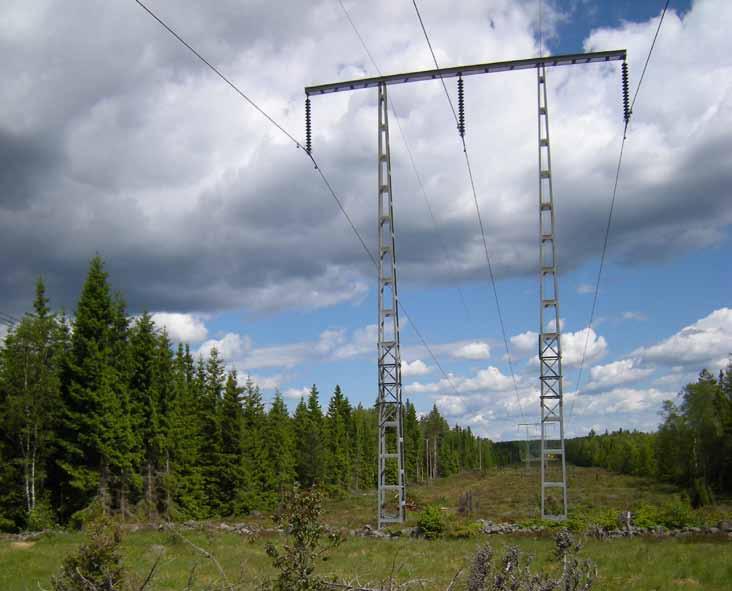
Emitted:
<point x="612" y="209"/>
<point x="322" y="175"/>
<point x="477" y="209"/>
<point x="650" y="52"/>
<point x="417" y="175"/>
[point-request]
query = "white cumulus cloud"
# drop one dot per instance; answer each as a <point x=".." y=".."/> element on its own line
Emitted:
<point x="476" y="350"/>
<point x="415" y="368"/>
<point x="707" y="341"/>
<point x="623" y="371"/>
<point x="182" y="328"/>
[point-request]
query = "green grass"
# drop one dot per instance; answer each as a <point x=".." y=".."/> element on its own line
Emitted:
<point x="505" y="495"/>
<point x="512" y="495"/>
<point x="623" y="564"/>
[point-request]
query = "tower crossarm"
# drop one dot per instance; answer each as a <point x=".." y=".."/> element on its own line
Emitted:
<point x="469" y="70"/>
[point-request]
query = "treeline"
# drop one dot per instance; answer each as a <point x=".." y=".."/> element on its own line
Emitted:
<point x="692" y="448"/>
<point x="104" y="408"/>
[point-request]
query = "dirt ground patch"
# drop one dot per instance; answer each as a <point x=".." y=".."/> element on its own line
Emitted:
<point x="22" y="545"/>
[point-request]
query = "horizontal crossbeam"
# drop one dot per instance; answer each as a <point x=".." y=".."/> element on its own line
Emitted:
<point x="489" y="68"/>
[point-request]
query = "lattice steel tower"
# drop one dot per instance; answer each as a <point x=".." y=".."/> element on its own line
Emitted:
<point x="392" y="492"/>
<point x="550" y="349"/>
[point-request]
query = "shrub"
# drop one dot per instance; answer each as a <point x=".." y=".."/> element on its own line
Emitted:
<point x="514" y="573"/>
<point x="432" y="522"/>
<point x="41" y="517"/>
<point x="677" y="514"/>
<point x="97" y="564"/>
<point x="300" y="515"/>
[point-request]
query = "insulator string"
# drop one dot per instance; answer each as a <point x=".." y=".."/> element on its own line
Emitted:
<point x="461" y="107"/>
<point x="626" y="94"/>
<point x="308" y="127"/>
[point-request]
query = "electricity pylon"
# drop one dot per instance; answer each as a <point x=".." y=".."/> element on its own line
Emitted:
<point x="550" y="346"/>
<point x="392" y="488"/>
<point x="392" y="492"/>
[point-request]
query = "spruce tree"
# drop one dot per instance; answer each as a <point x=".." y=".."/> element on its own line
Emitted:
<point x="255" y="459"/>
<point x="412" y="441"/>
<point x="210" y="412"/>
<point x="95" y="436"/>
<point x="338" y="440"/>
<point x="231" y="467"/>
<point x="166" y="391"/>
<point x="145" y="405"/>
<point x="185" y="442"/>
<point x="279" y="439"/>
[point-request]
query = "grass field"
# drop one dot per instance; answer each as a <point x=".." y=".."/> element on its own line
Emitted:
<point x="511" y="494"/>
<point x="507" y="495"/>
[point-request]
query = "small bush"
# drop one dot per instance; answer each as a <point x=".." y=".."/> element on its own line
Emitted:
<point x="431" y="522"/>
<point x="41" y="517"/>
<point x="677" y="514"/>
<point x="97" y="564"/>
<point x="295" y="560"/>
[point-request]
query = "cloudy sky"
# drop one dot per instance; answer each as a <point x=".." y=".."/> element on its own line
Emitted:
<point x="115" y="140"/>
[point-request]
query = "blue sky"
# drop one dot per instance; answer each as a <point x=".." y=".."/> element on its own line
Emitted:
<point x="123" y="144"/>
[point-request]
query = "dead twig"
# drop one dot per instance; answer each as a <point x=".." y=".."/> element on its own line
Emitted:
<point x="454" y="579"/>
<point x="151" y="574"/>
<point x="210" y="557"/>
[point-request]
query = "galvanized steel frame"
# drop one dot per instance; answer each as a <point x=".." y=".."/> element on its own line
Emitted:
<point x="550" y="348"/>
<point x="391" y="478"/>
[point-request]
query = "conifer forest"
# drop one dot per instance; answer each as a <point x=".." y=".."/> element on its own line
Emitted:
<point x="103" y="406"/>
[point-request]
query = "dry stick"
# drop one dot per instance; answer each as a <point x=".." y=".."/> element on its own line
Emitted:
<point x="454" y="579"/>
<point x="211" y="557"/>
<point x="190" y="577"/>
<point x="151" y="574"/>
<point x="89" y="584"/>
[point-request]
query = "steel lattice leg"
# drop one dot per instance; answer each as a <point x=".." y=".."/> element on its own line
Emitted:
<point x="550" y="350"/>
<point x="391" y="485"/>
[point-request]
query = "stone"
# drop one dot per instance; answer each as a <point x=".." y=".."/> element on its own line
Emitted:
<point x="725" y="526"/>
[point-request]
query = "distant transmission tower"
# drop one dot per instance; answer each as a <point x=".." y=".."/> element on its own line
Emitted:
<point x="553" y="465"/>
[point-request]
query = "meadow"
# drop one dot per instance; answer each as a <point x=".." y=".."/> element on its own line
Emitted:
<point x="701" y="562"/>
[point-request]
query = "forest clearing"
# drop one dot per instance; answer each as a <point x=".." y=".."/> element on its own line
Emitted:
<point x="503" y="495"/>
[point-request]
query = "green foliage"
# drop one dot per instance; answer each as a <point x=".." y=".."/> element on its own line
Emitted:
<point x="102" y="409"/>
<point x="41" y="517"/>
<point x="432" y="522"/>
<point x="97" y="564"/>
<point x="692" y="448"/>
<point x="308" y="542"/>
